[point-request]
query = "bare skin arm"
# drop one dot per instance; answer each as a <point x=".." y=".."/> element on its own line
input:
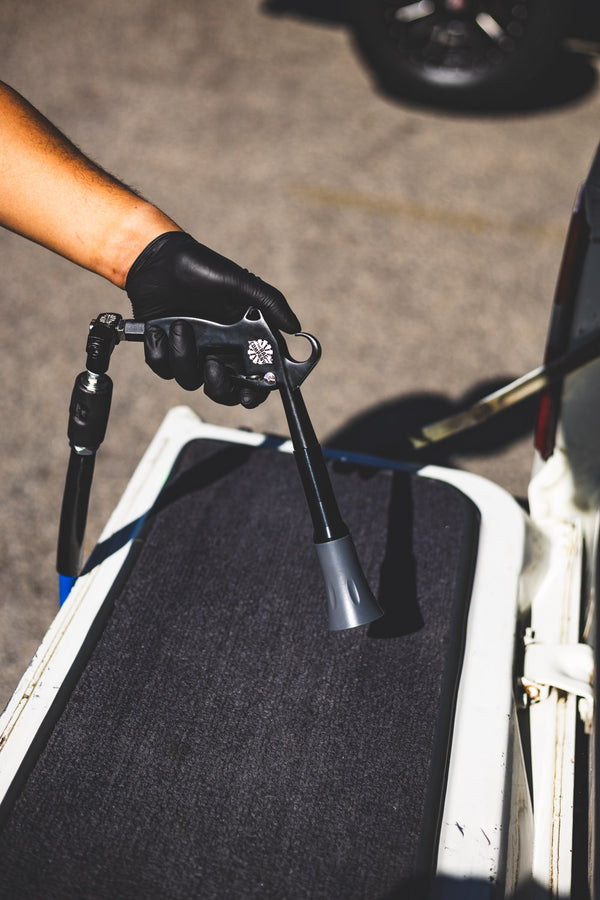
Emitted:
<point x="53" y="195"/>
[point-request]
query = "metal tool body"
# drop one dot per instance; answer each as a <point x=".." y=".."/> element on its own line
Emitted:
<point x="263" y="356"/>
<point x="260" y="357"/>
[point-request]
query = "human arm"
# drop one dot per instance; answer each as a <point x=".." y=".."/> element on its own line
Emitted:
<point x="54" y="195"/>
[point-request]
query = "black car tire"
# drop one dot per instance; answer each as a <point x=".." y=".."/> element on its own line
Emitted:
<point x="460" y="53"/>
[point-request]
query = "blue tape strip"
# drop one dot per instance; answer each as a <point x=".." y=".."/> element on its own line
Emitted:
<point x="65" y="583"/>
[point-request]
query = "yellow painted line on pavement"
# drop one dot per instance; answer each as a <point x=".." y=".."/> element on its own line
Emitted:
<point x="407" y="209"/>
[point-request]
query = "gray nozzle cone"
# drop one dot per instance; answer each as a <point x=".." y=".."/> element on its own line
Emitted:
<point x="350" y="601"/>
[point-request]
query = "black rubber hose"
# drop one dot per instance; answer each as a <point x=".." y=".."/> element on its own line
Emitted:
<point x="74" y="513"/>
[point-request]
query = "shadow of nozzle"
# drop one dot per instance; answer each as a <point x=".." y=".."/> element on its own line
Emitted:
<point x="350" y="601"/>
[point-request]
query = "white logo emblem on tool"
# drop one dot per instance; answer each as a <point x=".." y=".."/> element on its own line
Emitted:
<point x="260" y="352"/>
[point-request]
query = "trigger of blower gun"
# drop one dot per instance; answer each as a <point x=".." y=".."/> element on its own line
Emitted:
<point x="350" y="601"/>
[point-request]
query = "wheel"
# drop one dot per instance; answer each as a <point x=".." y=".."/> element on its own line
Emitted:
<point x="463" y="53"/>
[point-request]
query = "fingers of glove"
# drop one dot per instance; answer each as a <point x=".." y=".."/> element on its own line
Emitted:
<point x="251" y="397"/>
<point x="224" y="290"/>
<point x="184" y="359"/>
<point x="276" y="309"/>
<point x="156" y="351"/>
<point x="218" y="382"/>
<point x="175" y="275"/>
<point x="222" y="387"/>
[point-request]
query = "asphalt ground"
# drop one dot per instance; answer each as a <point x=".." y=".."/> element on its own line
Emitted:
<point x="420" y="246"/>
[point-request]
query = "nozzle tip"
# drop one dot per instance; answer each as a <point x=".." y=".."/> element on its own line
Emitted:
<point x="350" y="601"/>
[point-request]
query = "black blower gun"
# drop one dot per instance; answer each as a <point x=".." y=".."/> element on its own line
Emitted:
<point x="262" y="358"/>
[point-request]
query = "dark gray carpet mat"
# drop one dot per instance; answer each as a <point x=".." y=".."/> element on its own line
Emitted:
<point x="220" y="743"/>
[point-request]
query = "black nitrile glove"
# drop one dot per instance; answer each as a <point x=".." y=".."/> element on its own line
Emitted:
<point x="177" y="276"/>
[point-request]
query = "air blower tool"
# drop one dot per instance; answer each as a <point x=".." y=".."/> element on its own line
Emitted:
<point x="261" y="358"/>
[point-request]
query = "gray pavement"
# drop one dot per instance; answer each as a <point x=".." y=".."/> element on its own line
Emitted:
<point x="421" y="247"/>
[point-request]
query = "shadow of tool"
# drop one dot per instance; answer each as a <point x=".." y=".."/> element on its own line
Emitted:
<point x="384" y="432"/>
<point x="398" y="567"/>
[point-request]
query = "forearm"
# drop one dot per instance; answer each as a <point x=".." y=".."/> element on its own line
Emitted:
<point x="52" y="194"/>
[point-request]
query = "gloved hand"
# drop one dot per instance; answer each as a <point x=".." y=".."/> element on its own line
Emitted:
<point x="175" y="275"/>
